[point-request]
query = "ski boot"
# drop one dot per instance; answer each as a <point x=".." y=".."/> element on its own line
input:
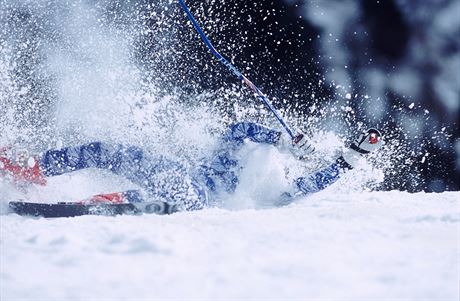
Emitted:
<point x="19" y="166"/>
<point x="133" y="198"/>
<point x="299" y="146"/>
<point x="129" y="196"/>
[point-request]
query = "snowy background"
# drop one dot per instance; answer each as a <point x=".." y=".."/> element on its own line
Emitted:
<point x="136" y="72"/>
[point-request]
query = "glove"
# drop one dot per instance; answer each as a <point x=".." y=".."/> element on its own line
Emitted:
<point x="366" y="143"/>
<point x="300" y="147"/>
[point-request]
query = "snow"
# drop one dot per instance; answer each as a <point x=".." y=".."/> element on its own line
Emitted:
<point x="356" y="246"/>
<point x="345" y="243"/>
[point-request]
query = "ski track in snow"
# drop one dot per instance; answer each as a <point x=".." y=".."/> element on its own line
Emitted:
<point x="357" y="246"/>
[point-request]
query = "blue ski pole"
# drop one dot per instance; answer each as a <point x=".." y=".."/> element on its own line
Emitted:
<point x="262" y="97"/>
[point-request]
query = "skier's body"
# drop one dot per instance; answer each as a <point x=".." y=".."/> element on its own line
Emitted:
<point x="168" y="181"/>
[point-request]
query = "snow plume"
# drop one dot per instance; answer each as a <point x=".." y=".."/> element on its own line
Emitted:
<point x="9" y="92"/>
<point x="118" y="72"/>
<point x="70" y="73"/>
<point x="96" y="83"/>
<point x="77" y="73"/>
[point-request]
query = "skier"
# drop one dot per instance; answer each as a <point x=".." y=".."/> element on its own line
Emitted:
<point x="168" y="181"/>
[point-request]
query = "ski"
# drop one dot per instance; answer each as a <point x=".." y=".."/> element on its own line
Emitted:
<point x="71" y="209"/>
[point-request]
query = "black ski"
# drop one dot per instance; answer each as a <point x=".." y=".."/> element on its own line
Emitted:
<point x="78" y="209"/>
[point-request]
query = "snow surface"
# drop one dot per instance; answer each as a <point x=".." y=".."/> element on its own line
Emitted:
<point x="355" y="246"/>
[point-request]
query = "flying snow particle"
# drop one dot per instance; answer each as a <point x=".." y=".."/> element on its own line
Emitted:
<point x="424" y="158"/>
<point x="348" y="96"/>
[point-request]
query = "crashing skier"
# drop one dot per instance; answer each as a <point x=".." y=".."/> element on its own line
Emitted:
<point x="165" y="180"/>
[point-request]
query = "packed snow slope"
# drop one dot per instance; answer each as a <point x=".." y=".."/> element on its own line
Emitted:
<point x="333" y="246"/>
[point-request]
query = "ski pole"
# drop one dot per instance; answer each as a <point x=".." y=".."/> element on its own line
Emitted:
<point x="238" y="74"/>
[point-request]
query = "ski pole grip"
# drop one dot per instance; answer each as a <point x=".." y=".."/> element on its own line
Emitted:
<point x="297" y="138"/>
